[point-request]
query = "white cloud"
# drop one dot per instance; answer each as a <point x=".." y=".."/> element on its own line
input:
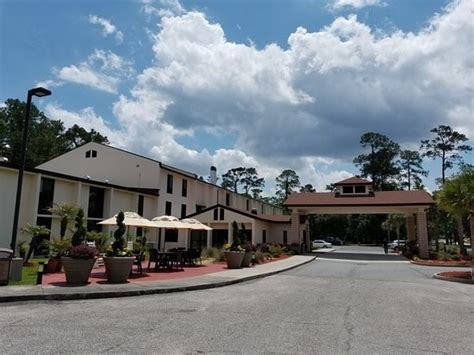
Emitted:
<point x="355" y="4"/>
<point x="88" y="119"/>
<point x="108" y="28"/>
<point x="102" y="71"/>
<point x="162" y="8"/>
<point x="303" y="107"/>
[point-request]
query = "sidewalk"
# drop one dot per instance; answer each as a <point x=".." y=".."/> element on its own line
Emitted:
<point x="136" y="288"/>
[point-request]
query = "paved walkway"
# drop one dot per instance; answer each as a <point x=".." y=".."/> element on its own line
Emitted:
<point x="62" y="291"/>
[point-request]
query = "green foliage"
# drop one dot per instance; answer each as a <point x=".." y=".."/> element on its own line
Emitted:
<point x="47" y="138"/>
<point x="245" y="177"/>
<point x="76" y="136"/>
<point x="259" y="256"/>
<point x="411" y="169"/>
<point x="66" y="211"/>
<point x="446" y="145"/>
<point x="214" y="253"/>
<point x="275" y="250"/>
<point x="236" y="233"/>
<point x="410" y="250"/>
<point x="101" y="240"/>
<point x="286" y="183"/>
<point x="307" y="188"/>
<point x="118" y="246"/>
<point x="57" y="247"/>
<point x="80" y="231"/>
<point x="380" y="163"/>
<point x="457" y="194"/>
<point x="35" y="233"/>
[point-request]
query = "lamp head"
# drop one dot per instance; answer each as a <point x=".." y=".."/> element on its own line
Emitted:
<point x="40" y="92"/>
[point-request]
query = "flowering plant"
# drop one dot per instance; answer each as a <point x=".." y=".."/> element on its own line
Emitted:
<point x="81" y="252"/>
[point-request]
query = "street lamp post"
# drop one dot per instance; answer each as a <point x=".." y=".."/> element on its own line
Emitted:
<point x="40" y="92"/>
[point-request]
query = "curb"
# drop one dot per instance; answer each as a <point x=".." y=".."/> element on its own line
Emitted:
<point x="151" y="291"/>
<point x="437" y="265"/>
<point x="452" y="279"/>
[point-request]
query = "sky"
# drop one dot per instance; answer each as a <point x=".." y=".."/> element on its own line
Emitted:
<point x="267" y="84"/>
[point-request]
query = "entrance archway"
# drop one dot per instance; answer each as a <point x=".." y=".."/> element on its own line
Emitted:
<point x="357" y="196"/>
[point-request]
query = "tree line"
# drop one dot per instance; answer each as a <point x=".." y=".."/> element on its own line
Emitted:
<point x="47" y="138"/>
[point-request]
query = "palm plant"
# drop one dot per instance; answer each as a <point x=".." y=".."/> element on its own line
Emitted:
<point x="35" y="233"/>
<point x="65" y="211"/>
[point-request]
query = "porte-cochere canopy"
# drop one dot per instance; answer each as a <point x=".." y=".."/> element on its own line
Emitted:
<point x="357" y="196"/>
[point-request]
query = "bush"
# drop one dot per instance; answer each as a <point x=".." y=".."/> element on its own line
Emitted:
<point x="214" y="253"/>
<point x="452" y="249"/>
<point x="455" y="257"/>
<point x="81" y="252"/>
<point x="259" y="257"/>
<point x="276" y="250"/>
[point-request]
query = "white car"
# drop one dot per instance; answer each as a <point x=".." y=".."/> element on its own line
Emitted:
<point x="319" y="243"/>
<point x="396" y="244"/>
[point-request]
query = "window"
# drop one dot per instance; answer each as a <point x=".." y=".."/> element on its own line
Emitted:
<point x="169" y="184"/>
<point x="227" y="199"/>
<point x="264" y="236"/>
<point x="348" y="189"/>
<point x="91" y="153"/>
<point x="96" y="202"/>
<point x="216" y="214"/>
<point x="285" y="237"/>
<point x="199" y="208"/>
<point x="168" y="208"/>
<point x="171" y="235"/>
<point x="94" y="226"/>
<point x="183" y="211"/>
<point x="247" y="205"/>
<point x="360" y="189"/>
<point x="221" y="214"/>
<point x="198" y="239"/>
<point x="46" y="195"/>
<point x="184" y="190"/>
<point x="263" y="209"/>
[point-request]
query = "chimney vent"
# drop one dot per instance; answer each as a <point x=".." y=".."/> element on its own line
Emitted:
<point x="213" y="175"/>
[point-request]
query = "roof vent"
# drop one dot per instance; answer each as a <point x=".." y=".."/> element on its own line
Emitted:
<point x="213" y="175"/>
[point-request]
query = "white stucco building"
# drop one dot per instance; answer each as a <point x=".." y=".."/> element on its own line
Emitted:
<point x="104" y="180"/>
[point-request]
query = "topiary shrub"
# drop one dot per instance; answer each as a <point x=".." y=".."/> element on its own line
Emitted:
<point x="118" y="246"/>
<point x="80" y="233"/>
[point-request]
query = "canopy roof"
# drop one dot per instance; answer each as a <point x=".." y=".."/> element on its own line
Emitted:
<point x="131" y="219"/>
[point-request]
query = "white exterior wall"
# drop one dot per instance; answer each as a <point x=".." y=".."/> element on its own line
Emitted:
<point x="118" y="167"/>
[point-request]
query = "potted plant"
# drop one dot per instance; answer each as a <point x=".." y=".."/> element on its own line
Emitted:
<point x="118" y="262"/>
<point x="248" y="256"/>
<point x="234" y="254"/>
<point x="57" y="249"/>
<point x="65" y="211"/>
<point x="78" y="262"/>
<point x="36" y="233"/>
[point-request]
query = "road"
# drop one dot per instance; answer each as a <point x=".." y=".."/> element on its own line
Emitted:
<point x="325" y="307"/>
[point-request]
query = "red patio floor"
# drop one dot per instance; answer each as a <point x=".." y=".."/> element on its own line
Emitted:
<point x="98" y="274"/>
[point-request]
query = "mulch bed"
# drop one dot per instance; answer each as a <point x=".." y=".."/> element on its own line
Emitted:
<point x="457" y="274"/>
<point x="464" y="263"/>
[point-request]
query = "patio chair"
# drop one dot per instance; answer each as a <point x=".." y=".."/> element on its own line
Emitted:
<point x="138" y="262"/>
<point x="195" y="255"/>
<point x="176" y="259"/>
<point x="154" y="258"/>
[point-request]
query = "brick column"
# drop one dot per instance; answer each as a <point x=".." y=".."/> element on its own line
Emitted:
<point x="422" y="234"/>
<point x="295" y="228"/>
<point x="411" y="233"/>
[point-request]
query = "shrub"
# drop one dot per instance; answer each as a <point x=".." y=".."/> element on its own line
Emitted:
<point x="410" y="250"/>
<point x="80" y="234"/>
<point x="455" y="257"/>
<point x="81" y="252"/>
<point x="452" y="249"/>
<point x="100" y="239"/>
<point x="276" y="250"/>
<point x="58" y="247"/>
<point x="259" y="257"/>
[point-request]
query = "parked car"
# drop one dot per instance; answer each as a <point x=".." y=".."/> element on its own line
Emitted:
<point x="396" y="244"/>
<point x="337" y="241"/>
<point x="319" y="243"/>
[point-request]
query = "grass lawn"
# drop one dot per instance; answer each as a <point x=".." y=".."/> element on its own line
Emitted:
<point x="29" y="273"/>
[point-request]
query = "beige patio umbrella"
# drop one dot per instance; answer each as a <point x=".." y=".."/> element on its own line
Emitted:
<point x="167" y="222"/>
<point x="132" y="219"/>
<point x="194" y="224"/>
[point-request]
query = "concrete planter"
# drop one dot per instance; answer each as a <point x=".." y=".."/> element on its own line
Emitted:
<point x="16" y="269"/>
<point x="234" y="259"/>
<point x="118" y="268"/>
<point x="247" y="259"/>
<point x="77" y="270"/>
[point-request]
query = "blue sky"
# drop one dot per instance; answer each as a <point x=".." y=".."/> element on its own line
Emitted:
<point x="271" y="84"/>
